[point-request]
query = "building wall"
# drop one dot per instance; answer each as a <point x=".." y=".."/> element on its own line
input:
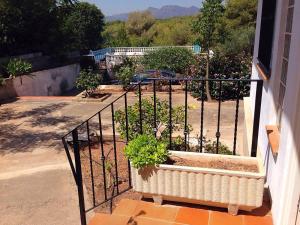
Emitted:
<point x="42" y="83"/>
<point x="283" y="171"/>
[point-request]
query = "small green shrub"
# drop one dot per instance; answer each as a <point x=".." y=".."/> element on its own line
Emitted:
<point x="88" y="81"/>
<point x="146" y="150"/>
<point x="162" y="117"/>
<point x="126" y="71"/>
<point x="210" y="147"/>
<point x="125" y="75"/>
<point x="18" y="67"/>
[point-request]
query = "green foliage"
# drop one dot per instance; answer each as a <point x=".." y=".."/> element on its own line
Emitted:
<point x="239" y="41"/>
<point x="18" y="67"/>
<point x="125" y="75"/>
<point x="211" y="147"/>
<point x="223" y="66"/>
<point x="115" y="35"/>
<point x="26" y="26"/>
<point x="83" y="26"/>
<point x="166" y="32"/>
<point x="173" y="32"/>
<point x="88" y="81"/>
<point x="207" y="22"/>
<point x="174" y="59"/>
<point x="146" y="150"/>
<point x="126" y="71"/>
<point x="240" y="13"/>
<point x="239" y="26"/>
<point x="162" y="116"/>
<point x="208" y="146"/>
<point x="139" y="22"/>
<point x="48" y="26"/>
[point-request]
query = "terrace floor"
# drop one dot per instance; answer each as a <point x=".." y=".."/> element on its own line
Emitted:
<point x="133" y="212"/>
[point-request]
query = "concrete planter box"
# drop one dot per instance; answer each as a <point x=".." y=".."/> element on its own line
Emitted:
<point x="214" y="187"/>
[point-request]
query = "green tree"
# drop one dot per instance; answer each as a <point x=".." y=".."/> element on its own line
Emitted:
<point x="115" y="35"/>
<point x="84" y="25"/>
<point x="138" y="27"/>
<point x="239" y="26"/>
<point x="26" y="25"/>
<point x="88" y="81"/>
<point x="206" y="26"/>
<point x="240" y="13"/>
<point x="174" y="59"/>
<point x="139" y="22"/>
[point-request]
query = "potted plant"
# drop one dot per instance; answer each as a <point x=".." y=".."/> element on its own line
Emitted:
<point x="233" y="182"/>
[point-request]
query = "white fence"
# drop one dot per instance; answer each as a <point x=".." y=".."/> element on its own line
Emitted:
<point x="135" y="51"/>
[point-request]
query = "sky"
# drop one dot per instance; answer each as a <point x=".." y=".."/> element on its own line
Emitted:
<point x="111" y="7"/>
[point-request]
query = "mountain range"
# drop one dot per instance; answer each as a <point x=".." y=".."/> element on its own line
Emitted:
<point x="164" y="12"/>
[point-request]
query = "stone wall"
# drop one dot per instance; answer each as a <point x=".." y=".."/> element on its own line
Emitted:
<point x="52" y="82"/>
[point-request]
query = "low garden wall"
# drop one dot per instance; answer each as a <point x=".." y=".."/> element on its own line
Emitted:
<point x="50" y="82"/>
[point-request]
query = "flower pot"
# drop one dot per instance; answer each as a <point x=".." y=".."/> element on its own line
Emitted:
<point x="208" y="186"/>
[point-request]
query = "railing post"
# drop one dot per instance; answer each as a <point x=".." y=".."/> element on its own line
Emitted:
<point x="140" y="109"/>
<point x="236" y="116"/>
<point x="170" y="114"/>
<point x="185" y="115"/>
<point x="259" y="87"/>
<point x="154" y="108"/>
<point x="202" y="114"/>
<point x="79" y="177"/>
<point x="218" y="133"/>
<point x="116" y="182"/>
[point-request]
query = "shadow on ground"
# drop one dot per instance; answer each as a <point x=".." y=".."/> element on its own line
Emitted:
<point x="23" y="131"/>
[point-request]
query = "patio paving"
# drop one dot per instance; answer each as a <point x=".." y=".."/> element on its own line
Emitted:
<point x="130" y="212"/>
<point x="36" y="183"/>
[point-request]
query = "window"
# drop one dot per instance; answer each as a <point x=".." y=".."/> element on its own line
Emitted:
<point x="266" y="35"/>
<point x="285" y="60"/>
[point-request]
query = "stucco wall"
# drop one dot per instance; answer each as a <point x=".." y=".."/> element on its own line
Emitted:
<point x="42" y="83"/>
<point x="283" y="172"/>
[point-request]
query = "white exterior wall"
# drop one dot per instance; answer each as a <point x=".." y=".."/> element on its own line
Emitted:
<point x="51" y="82"/>
<point x="283" y="174"/>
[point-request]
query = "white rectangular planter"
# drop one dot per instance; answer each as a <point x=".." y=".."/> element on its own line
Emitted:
<point x="208" y="186"/>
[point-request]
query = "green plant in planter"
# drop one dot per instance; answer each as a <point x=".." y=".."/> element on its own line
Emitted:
<point x="210" y="147"/>
<point x="88" y="81"/>
<point x="146" y="150"/>
<point x="18" y="67"/>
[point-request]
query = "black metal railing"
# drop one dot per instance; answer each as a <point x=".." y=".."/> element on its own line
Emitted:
<point x="97" y="147"/>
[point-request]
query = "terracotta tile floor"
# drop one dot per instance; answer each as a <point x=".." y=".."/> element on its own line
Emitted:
<point x="130" y="212"/>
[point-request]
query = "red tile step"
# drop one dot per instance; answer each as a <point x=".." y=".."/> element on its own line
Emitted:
<point x="131" y="212"/>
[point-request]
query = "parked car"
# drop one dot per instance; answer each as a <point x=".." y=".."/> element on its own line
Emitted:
<point x="144" y="77"/>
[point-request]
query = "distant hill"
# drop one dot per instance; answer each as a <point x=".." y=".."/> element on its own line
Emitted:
<point x="164" y="12"/>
